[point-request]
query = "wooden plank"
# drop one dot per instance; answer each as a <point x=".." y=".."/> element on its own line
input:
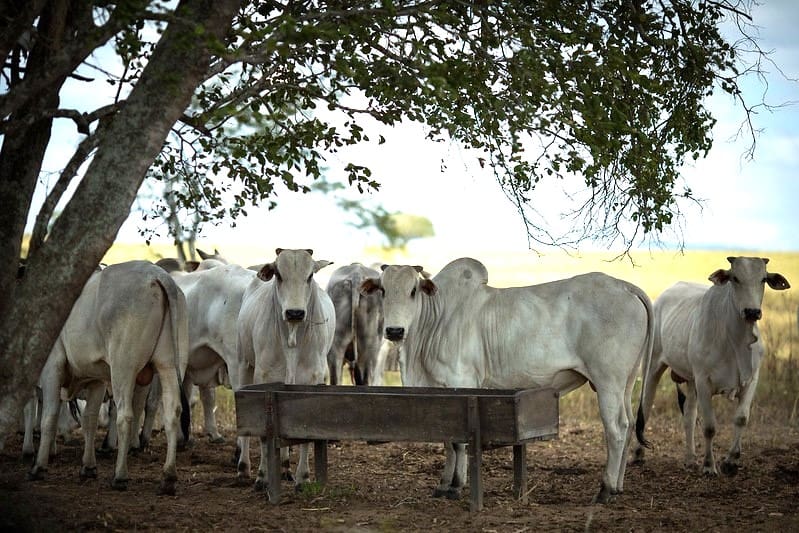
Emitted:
<point x="536" y="414"/>
<point x="320" y="461"/>
<point x="250" y="413"/>
<point x="379" y="417"/>
<point x="475" y="456"/>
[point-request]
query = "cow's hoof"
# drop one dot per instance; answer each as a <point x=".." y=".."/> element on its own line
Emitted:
<point x="729" y="468"/>
<point x="710" y="472"/>
<point x="638" y="456"/>
<point x="119" y="484"/>
<point x="88" y="472"/>
<point x="287" y="476"/>
<point x="219" y="439"/>
<point x="36" y="474"/>
<point x="260" y="485"/>
<point x="105" y="451"/>
<point x="167" y="487"/>
<point x="605" y="495"/>
<point x="449" y="493"/>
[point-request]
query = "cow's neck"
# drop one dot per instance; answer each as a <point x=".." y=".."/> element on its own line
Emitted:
<point x="738" y="337"/>
<point x="420" y="347"/>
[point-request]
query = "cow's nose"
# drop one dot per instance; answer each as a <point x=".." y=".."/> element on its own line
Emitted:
<point x="293" y="315"/>
<point x="395" y="334"/>
<point x="752" y="315"/>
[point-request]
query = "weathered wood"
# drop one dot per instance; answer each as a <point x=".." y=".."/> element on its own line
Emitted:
<point x="475" y="455"/>
<point x="520" y="472"/>
<point x="482" y="418"/>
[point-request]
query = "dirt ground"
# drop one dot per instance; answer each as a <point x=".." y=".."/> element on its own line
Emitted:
<point x="389" y="487"/>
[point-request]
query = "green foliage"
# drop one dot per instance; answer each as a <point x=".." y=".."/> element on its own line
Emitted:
<point x="611" y="92"/>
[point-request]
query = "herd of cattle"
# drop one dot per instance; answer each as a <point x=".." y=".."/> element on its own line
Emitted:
<point x="145" y="333"/>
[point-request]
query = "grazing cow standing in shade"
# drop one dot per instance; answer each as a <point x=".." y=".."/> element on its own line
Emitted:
<point x="456" y="331"/>
<point x="708" y="336"/>
<point x="286" y="327"/>
<point x="128" y="322"/>
<point x="359" y="323"/>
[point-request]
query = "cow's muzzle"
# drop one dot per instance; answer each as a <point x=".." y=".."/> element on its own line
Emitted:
<point x="395" y="334"/>
<point x="295" y="315"/>
<point x="752" y="315"/>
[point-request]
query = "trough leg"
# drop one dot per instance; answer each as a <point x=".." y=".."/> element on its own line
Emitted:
<point x="320" y="461"/>
<point x="273" y="469"/>
<point x="520" y="472"/>
<point x="475" y="457"/>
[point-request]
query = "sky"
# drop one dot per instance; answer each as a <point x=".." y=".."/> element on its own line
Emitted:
<point x="747" y="204"/>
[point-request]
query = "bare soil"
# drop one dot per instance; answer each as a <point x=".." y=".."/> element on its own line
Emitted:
<point x="389" y="487"/>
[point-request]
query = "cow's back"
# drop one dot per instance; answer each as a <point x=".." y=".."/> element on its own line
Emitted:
<point x="550" y="334"/>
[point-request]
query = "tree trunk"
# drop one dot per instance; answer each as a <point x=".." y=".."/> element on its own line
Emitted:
<point x="55" y="275"/>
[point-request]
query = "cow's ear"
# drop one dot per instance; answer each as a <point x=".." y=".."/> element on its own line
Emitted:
<point x="383" y="267"/>
<point x="278" y="251"/>
<point x="319" y="265"/>
<point x="765" y="260"/>
<point x="267" y="272"/>
<point x="369" y="286"/>
<point x="191" y="266"/>
<point x="777" y="281"/>
<point x="310" y="252"/>
<point x="428" y="287"/>
<point x="720" y="277"/>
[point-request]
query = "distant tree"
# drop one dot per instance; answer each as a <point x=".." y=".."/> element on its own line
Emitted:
<point x="610" y="92"/>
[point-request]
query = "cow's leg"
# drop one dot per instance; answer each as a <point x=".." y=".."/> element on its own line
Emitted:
<point x="29" y="415"/>
<point x="444" y="487"/>
<point x="123" y="386"/>
<point x="208" y="399"/>
<point x="150" y="410"/>
<point x="51" y="402"/>
<point x="704" y="399"/>
<point x="241" y="374"/>
<point x="656" y="369"/>
<point x="171" y="410"/>
<point x="140" y="394"/>
<point x="628" y="411"/>
<point x="303" y="472"/>
<point x="188" y="390"/>
<point x="616" y="425"/>
<point x="335" y="357"/>
<point x="91" y="412"/>
<point x="731" y="463"/>
<point x="689" y="425"/>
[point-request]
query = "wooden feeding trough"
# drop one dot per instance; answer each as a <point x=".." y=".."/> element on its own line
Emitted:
<point x="482" y="418"/>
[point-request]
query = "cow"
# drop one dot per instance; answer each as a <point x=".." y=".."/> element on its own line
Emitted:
<point x="213" y="298"/>
<point x="708" y="336"/>
<point x="213" y="302"/>
<point x="128" y="322"/>
<point x="457" y="331"/>
<point x="286" y="328"/>
<point x="359" y="322"/>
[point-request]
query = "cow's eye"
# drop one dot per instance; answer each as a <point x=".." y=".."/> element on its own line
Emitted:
<point x="310" y="278"/>
<point x="735" y="279"/>
<point x="413" y="292"/>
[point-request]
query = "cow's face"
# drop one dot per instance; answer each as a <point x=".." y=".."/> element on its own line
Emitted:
<point x="293" y="272"/>
<point x="747" y="278"/>
<point x="402" y="290"/>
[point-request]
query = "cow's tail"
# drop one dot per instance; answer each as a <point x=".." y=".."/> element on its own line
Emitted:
<point x="640" y="422"/>
<point x="180" y="350"/>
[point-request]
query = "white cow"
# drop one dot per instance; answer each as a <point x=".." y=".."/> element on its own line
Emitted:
<point x="213" y="298"/>
<point x="359" y="325"/>
<point x="128" y="322"/>
<point x="459" y="332"/>
<point x="286" y="327"/>
<point x="708" y="336"/>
